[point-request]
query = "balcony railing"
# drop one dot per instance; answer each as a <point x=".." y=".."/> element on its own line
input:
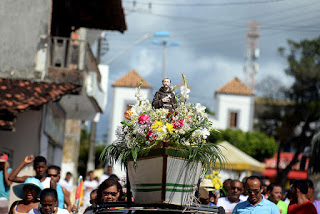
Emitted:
<point x="71" y="55"/>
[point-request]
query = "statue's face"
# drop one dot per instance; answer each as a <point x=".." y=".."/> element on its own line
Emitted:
<point x="166" y="82"/>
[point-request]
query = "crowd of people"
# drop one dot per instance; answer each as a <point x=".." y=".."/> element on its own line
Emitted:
<point x="255" y="195"/>
<point x="45" y="193"/>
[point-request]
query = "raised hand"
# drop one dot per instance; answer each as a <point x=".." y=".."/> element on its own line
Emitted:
<point x="29" y="159"/>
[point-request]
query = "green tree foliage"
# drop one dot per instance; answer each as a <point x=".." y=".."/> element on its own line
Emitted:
<point x="295" y="121"/>
<point x="256" y="144"/>
<point x="84" y="151"/>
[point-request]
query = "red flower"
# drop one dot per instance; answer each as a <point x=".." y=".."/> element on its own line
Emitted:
<point x="143" y="118"/>
<point x="178" y="124"/>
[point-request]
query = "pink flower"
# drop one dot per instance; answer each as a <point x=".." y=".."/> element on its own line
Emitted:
<point x="143" y="118"/>
<point x="178" y="124"/>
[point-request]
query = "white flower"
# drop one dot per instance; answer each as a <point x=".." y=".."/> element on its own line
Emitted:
<point x="201" y="132"/>
<point x="184" y="92"/>
<point x="200" y="108"/>
<point x="139" y="96"/>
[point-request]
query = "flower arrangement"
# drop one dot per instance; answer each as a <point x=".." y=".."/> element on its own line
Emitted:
<point x="186" y="130"/>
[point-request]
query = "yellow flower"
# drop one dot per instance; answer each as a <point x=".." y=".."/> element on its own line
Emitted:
<point x="170" y="127"/>
<point x="217" y="186"/>
<point x="156" y="124"/>
<point x="160" y="129"/>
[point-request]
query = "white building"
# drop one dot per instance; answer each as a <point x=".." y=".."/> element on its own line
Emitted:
<point x="124" y="90"/>
<point x="234" y="106"/>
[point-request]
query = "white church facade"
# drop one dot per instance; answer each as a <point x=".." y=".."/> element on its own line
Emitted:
<point x="234" y="107"/>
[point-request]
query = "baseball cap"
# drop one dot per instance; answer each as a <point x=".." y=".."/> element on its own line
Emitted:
<point x="3" y="157"/>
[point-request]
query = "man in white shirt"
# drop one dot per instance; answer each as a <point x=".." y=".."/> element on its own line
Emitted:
<point x="107" y="175"/>
<point x="88" y="187"/>
<point x="67" y="182"/>
<point x="228" y="203"/>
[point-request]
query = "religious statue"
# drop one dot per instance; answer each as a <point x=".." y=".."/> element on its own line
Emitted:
<point x="165" y="98"/>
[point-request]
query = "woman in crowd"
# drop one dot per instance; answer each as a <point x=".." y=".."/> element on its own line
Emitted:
<point x="29" y="193"/>
<point x="48" y="203"/>
<point x="109" y="191"/>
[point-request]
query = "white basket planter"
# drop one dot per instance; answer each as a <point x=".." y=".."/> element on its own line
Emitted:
<point x="164" y="179"/>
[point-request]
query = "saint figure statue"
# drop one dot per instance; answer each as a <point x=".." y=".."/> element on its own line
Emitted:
<point x="165" y="98"/>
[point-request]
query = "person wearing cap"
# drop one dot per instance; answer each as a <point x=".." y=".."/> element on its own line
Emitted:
<point x="213" y="193"/>
<point x="5" y="183"/>
<point x="29" y="192"/>
<point x="40" y="166"/>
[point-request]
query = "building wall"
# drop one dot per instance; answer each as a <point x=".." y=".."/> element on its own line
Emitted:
<point x="226" y="103"/>
<point x="22" y="23"/>
<point x="26" y="138"/>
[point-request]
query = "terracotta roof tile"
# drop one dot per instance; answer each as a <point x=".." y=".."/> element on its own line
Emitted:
<point x="20" y="95"/>
<point x="235" y="86"/>
<point x="131" y="79"/>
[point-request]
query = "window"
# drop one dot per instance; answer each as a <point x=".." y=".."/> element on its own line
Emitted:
<point x="233" y="119"/>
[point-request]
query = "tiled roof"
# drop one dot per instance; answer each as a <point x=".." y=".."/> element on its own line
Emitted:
<point x="235" y="86"/>
<point x="20" y="95"/>
<point x="131" y="79"/>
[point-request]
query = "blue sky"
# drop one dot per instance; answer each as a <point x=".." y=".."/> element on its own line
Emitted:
<point x="213" y="42"/>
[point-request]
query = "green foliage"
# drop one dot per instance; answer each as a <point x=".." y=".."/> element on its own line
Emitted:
<point x="207" y="153"/>
<point x="84" y="151"/>
<point x="294" y="120"/>
<point x="208" y="111"/>
<point x="256" y="144"/>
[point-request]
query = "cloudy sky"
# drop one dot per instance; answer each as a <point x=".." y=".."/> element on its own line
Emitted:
<point x="212" y="34"/>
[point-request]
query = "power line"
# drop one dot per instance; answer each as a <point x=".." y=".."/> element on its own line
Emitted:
<point x="201" y="20"/>
<point x="206" y="4"/>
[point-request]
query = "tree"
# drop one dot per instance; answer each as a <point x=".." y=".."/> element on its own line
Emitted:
<point x="256" y="144"/>
<point x="296" y="120"/>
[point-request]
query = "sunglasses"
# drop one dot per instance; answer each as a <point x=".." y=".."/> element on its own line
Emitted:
<point x="29" y="188"/>
<point x="52" y="175"/>
<point x="236" y="188"/>
<point x="114" y="194"/>
<point x="255" y="191"/>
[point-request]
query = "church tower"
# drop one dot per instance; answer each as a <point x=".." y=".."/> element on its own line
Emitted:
<point x="234" y="106"/>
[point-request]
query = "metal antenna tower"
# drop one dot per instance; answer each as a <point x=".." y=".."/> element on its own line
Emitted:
<point x="251" y="66"/>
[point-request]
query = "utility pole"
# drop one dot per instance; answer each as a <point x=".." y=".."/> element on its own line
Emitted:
<point x="91" y="156"/>
<point x="165" y="44"/>
<point x="251" y="67"/>
<point x="164" y="71"/>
